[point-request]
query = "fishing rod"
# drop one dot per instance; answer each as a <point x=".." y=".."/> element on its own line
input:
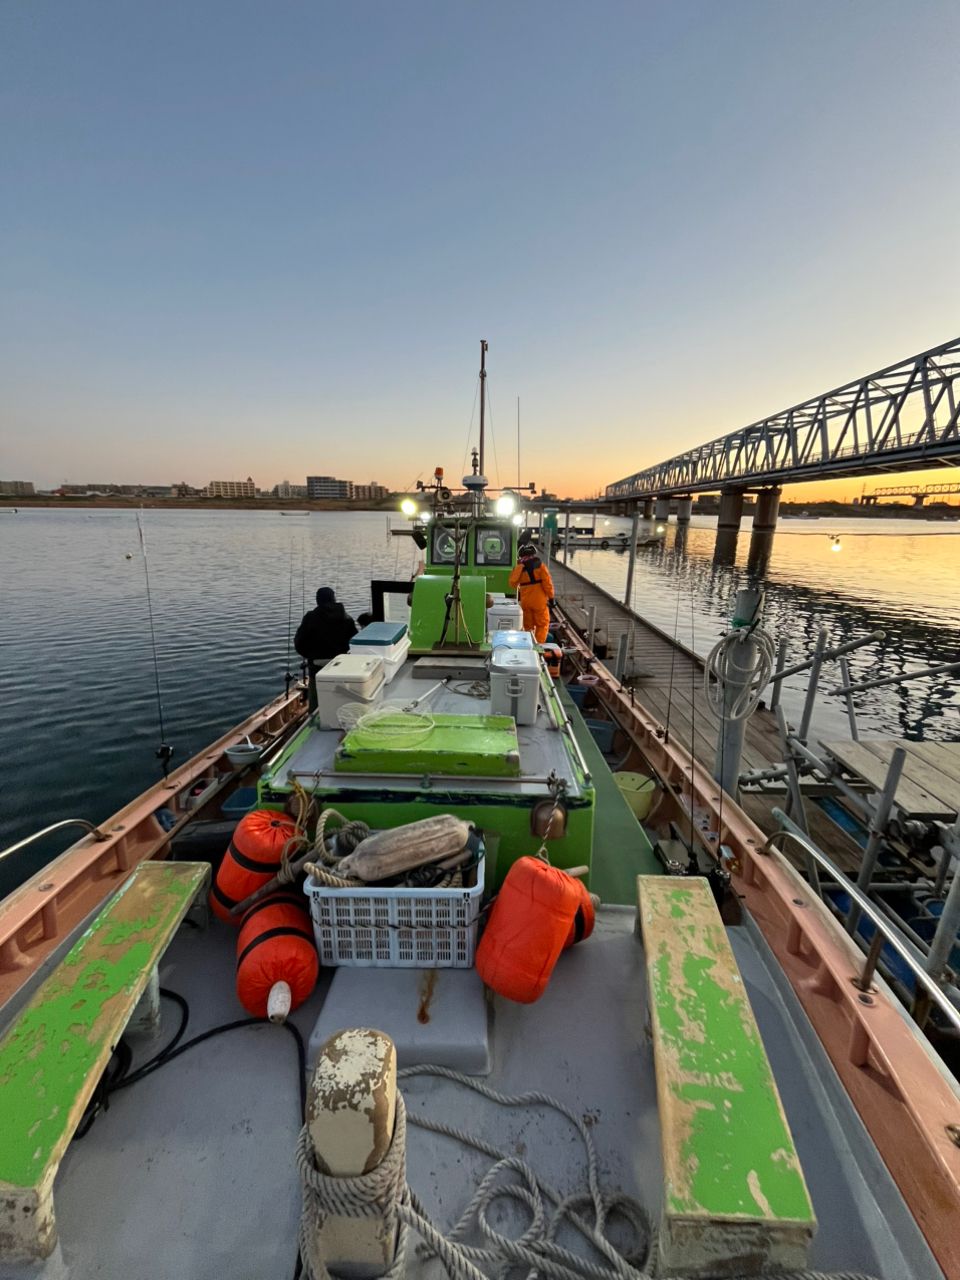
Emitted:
<point x="164" y="751"/>
<point x="288" y="676"/>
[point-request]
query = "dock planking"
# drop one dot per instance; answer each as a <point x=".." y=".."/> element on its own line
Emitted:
<point x="919" y="792"/>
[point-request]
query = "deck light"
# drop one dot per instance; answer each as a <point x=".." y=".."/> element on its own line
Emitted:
<point x="506" y="504"/>
<point x="518" y="520"/>
<point x="408" y="507"/>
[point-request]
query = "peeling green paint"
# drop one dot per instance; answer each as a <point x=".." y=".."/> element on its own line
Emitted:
<point x="57" y="1046"/>
<point x="728" y="1150"/>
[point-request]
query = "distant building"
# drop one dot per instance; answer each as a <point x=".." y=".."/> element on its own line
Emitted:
<point x="328" y="487"/>
<point x="16" y="488"/>
<point x="184" y="490"/>
<point x="287" y="490"/>
<point x="232" y="488"/>
<point x="371" y="492"/>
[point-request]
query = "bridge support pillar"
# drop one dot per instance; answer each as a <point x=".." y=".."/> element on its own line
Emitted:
<point x="648" y="508"/>
<point x="764" y="527"/>
<point x="728" y="526"/>
<point x="661" y="510"/>
<point x="684" y="510"/>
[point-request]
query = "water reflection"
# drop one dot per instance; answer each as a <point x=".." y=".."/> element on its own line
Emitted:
<point x="899" y="581"/>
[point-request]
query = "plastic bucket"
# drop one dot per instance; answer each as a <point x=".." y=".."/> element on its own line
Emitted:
<point x="602" y="731"/>
<point x="638" y="791"/>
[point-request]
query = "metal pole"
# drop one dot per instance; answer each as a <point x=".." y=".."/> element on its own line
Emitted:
<point x="591" y="625"/>
<point x="899" y="679"/>
<point x="775" y="683"/>
<point x="632" y="563"/>
<point x="483" y="382"/>
<point x="739" y="669"/>
<point x="566" y="537"/>
<point x="817" y="662"/>
<point x="946" y="934"/>
<point x="795" y="795"/>
<point x="878" y="825"/>
<point x="851" y="709"/>
<point x="621" y="665"/>
<point x="835" y="652"/>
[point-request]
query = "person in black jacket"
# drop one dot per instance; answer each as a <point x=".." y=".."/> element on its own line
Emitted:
<point x="323" y="633"/>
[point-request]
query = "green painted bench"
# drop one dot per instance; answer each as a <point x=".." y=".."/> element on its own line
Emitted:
<point x="735" y="1200"/>
<point x="54" y="1052"/>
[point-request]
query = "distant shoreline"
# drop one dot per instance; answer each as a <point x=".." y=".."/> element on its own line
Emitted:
<point x="119" y="502"/>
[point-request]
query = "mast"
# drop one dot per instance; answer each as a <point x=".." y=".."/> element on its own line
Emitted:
<point x="483" y="383"/>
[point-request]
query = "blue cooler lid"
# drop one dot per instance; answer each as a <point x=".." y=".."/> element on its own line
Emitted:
<point x="381" y="633"/>
<point x="512" y="640"/>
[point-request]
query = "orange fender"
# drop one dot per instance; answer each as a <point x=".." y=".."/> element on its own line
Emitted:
<point x="276" y="944"/>
<point x="252" y="858"/>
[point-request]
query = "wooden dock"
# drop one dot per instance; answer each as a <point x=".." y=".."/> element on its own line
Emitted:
<point x="668" y="680"/>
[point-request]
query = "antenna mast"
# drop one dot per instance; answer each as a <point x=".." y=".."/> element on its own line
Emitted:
<point x="483" y="384"/>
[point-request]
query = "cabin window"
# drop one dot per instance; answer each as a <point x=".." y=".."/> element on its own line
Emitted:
<point x="444" y="546"/>
<point x="493" y="546"/>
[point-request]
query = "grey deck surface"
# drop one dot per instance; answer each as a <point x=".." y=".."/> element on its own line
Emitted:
<point x="191" y="1173"/>
<point x="542" y="748"/>
<point x="929" y="786"/>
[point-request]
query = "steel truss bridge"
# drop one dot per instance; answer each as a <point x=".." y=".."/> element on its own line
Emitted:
<point x="919" y="493"/>
<point x="903" y="418"/>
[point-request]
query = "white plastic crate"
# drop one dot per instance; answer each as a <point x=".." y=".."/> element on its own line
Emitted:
<point x="384" y="928"/>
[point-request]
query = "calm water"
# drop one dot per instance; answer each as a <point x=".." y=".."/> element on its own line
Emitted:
<point x="78" y="715"/>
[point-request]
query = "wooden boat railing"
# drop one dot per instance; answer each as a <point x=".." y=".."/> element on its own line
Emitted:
<point x="40" y="915"/>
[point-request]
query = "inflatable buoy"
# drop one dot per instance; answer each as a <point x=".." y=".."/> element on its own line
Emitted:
<point x="252" y="858"/>
<point x="539" y="912"/>
<point x="604" y="544"/>
<point x="277" y="962"/>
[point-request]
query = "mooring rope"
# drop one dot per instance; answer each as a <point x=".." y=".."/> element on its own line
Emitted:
<point x="384" y="1194"/>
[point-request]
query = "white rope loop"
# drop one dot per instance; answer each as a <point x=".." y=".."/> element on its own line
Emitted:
<point x="717" y="667"/>
<point x="383" y="1193"/>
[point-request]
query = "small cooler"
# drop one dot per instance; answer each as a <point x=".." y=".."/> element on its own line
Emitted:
<point x="350" y="677"/>
<point x="504" y="615"/>
<point x="386" y="640"/>
<point x="515" y="684"/>
<point x="511" y="640"/>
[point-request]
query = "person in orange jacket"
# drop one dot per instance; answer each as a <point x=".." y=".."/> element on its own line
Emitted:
<point x="534" y="587"/>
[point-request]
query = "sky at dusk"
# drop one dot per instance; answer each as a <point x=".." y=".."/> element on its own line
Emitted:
<point x="256" y="238"/>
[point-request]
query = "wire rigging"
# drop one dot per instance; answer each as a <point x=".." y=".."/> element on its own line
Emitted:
<point x="164" y="751"/>
<point x="493" y="438"/>
<point x="473" y="411"/>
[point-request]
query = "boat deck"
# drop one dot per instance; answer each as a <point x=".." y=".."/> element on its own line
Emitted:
<point x="543" y="750"/>
<point x="191" y="1172"/>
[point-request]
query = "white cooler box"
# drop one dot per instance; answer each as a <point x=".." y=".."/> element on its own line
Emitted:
<point x="385" y="640"/>
<point x="504" y="615"/>
<point x="350" y="677"/>
<point x="515" y="684"/>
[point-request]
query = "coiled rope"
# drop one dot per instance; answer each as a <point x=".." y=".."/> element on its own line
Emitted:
<point x="720" y="661"/>
<point x="384" y="1194"/>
